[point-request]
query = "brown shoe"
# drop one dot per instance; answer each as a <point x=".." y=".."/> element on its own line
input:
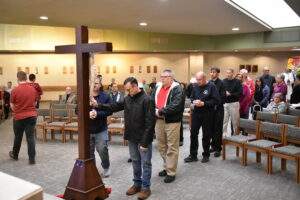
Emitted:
<point x="144" y="194"/>
<point x="133" y="190"/>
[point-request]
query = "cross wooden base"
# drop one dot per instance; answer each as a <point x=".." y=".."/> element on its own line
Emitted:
<point x="85" y="182"/>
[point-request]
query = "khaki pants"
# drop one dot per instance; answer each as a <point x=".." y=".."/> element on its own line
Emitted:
<point x="167" y="135"/>
<point x="232" y="111"/>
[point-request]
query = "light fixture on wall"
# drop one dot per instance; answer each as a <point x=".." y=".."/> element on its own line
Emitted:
<point x="235" y="29"/>
<point x="143" y="24"/>
<point x="43" y="18"/>
<point x="270" y="13"/>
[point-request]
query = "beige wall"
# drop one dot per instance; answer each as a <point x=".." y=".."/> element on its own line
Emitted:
<point x="275" y="60"/>
<point x="183" y="65"/>
<point x="55" y="63"/>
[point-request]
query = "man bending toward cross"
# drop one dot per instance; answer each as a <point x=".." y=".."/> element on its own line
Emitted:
<point x="98" y="127"/>
<point x="139" y="114"/>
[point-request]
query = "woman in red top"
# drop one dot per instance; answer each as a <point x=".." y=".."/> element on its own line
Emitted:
<point x="245" y="99"/>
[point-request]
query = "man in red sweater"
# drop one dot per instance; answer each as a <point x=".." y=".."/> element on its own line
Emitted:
<point x="23" y="102"/>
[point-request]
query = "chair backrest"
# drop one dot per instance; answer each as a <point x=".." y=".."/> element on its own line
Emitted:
<point x="187" y="103"/>
<point x="58" y="106"/>
<point x="288" y="119"/>
<point x="292" y="134"/>
<point x="119" y="114"/>
<point x="295" y="112"/>
<point x="60" y="113"/>
<point x="248" y="126"/>
<point x="43" y="112"/>
<point x="71" y="106"/>
<point x="271" y="130"/>
<point x="266" y="116"/>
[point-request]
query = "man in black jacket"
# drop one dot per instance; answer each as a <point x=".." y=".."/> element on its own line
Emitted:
<point x="205" y="98"/>
<point x="139" y="114"/>
<point x="233" y="91"/>
<point x="268" y="80"/>
<point x="168" y="97"/>
<point x="216" y="143"/>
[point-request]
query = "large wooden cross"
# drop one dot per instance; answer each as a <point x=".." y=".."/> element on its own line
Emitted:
<point x="85" y="182"/>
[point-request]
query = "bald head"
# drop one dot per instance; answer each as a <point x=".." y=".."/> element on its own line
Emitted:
<point x="68" y="90"/>
<point x="266" y="70"/>
<point x="201" y="78"/>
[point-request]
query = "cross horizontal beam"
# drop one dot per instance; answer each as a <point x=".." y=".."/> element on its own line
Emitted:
<point x="85" y="48"/>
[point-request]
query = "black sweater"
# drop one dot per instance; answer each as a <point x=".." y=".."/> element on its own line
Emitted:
<point x="295" y="96"/>
<point x="234" y="87"/>
<point x="221" y="89"/>
<point x="208" y="94"/>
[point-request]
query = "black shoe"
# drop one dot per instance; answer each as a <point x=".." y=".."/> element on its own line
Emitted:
<point x="205" y="159"/>
<point x="12" y="156"/>
<point x="169" y="179"/>
<point x="211" y="150"/>
<point x="129" y="160"/>
<point x="217" y="154"/>
<point x="181" y="143"/>
<point x="31" y="162"/>
<point x="190" y="159"/>
<point x="162" y="173"/>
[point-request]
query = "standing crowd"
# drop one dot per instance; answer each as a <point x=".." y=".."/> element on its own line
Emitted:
<point x="156" y="111"/>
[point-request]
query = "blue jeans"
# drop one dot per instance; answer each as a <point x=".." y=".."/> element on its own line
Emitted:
<point x="99" y="141"/>
<point x="141" y="164"/>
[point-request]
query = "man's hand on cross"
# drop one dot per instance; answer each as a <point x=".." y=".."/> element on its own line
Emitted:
<point x="93" y="102"/>
<point x="93" y="114"/>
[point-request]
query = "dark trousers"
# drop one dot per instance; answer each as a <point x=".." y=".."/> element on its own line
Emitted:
<point x="199" y="120"/>
<point x="217" y="134"/>
<point x="20" y="126"/>
<point x="6" y="109"/>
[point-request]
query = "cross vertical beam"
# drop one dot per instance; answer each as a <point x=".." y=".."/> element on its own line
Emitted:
<point x="85" y="182"/>
<point x="82" y="60"/>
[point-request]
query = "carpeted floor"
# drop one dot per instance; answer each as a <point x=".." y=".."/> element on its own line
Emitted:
<point x="212" y="181"/>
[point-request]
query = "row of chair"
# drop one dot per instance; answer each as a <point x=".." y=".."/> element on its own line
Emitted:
<point x="273" y="140"/>
<point x="291" y="118"/>
<point x="60" y="118"/>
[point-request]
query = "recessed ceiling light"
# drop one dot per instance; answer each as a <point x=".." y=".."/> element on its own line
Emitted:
<point x="43" y="17"/>
<point x="272" y="14"/>
<point x="143" y="24"/>
<point x="235" y="29"/>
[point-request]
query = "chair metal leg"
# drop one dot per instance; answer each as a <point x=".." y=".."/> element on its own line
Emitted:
<point x="71" y="135"/>
<point x="270" y="164"/>
<point x="63" y="136"/>
<point x="224" y="151"/>
<point x="245" y="156"/>
<point x="258" y="157"/>
<point x="52" y="134"/>
<point x="44" y="135"/>
<point x="237" y="151"/>
<point x="283" y="164"/>
<point x="298" y="170"/>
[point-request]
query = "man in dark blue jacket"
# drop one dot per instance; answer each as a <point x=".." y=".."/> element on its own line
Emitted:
<point x="98" y="127"/>
<point x="204" y="97"/>
<point x="216" y="143"/>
